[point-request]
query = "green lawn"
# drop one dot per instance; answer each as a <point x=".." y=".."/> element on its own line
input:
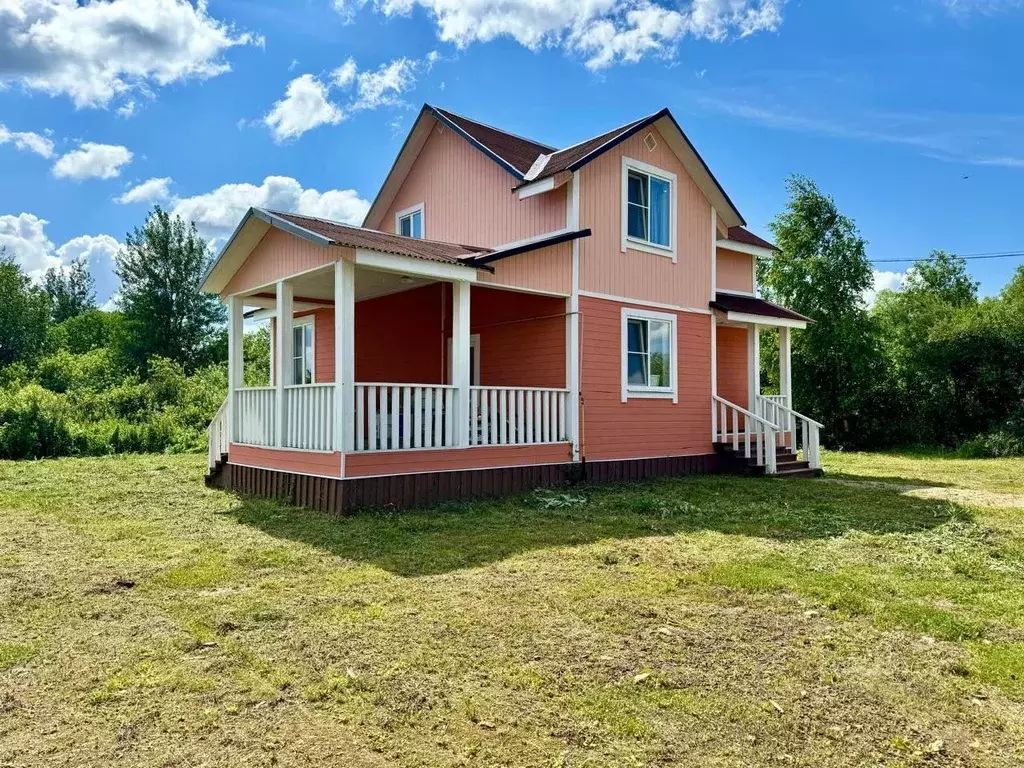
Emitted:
<point x="875" y="617"/>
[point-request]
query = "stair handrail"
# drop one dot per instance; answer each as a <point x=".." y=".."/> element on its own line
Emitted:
<point x="217" y="435"/>
<point x="809" y="427"/>
<point x="764" y="432"/>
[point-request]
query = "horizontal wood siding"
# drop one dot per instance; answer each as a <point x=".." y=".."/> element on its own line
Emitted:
<point x="735" y="271"/>
<point x="643" y="428"/>
<point x="405" y="462"/>
<point x="604" y="268"/>
<point x="277" y="256"/>
<point x="732" y="365"/>
<point x="468" y="197"/>
<point x="303" y="462"/>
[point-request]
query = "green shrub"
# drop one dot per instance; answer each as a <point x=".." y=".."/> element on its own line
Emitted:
<point x="994" y="445"/>
<point x="34" y="423"/>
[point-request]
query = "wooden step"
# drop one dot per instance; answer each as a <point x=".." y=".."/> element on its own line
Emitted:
<point x="794" y="473"/>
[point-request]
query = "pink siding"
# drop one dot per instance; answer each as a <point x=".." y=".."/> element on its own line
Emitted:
<point x="549" y="270"/>
<point x="637" y="274"/>
<point x="468" y="197"/>
<point x="643" y="428"/>
<point x="303" y="462"/>
<point x="407" y="462"/>
<point x="735" y="271"/>
<point x="732" y="365"/>
<point x="279" y="255"/>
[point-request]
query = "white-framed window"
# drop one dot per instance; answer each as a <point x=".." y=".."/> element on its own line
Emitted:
<point x="303" y="351"/>
<point x="649" y="354"/>
<point x="474" y="360"/>
<point x="648" y="208"/>
<point x="409" y="222"/>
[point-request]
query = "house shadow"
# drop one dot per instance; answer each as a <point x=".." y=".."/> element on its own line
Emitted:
<point x="464" y="535"/>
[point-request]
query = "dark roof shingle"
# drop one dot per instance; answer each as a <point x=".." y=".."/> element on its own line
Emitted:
<point x="745" y="236"/>
<point x="518" y="152"/>
<point x="564" y="159"/>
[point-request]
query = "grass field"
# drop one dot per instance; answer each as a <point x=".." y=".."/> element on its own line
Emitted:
<point x="872" y="618"/>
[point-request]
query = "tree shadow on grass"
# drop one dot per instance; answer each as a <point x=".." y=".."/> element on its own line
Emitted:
<point x="470" y="534"/>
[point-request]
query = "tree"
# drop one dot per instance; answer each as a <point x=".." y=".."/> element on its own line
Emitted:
<point x="822" y="271"/>
<point x="161" y="270"/>
<point x="24" y="314"/>
<point x="72" y="289"/>
<point x="943" y="276"/>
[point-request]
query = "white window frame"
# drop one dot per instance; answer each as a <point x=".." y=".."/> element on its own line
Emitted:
<point x="639" y="244"/>
<point x="301" y="322"/>
<point x="631" y="391"/>
<point x="418" y="208"/>
<point x="474" y="344"/>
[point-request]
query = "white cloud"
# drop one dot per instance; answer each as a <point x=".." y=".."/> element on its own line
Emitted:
<point x="94" y="51"/>
<point x="307" y="102"/>
<point x="127" y="109"/>
<point x="26" y="140"/>
<point x="606" y="32"/>
<point x="24" y="237"/>
<point x="217" y="213"/>
<point x="987" y="7"/>
<point x="148" y="191"/>
<point x="306" y="105"/>
<point x="92" y="161"/>
<point x="884" y="281"/>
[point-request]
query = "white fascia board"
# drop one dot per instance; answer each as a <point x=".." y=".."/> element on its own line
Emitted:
<point x="409" y="265"/>
<point x="537" y="188"/>
<point x="750" y="250"/>
<point x="778" y="322"/>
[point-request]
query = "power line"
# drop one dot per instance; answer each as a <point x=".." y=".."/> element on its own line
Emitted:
<point x="965" y="257"/>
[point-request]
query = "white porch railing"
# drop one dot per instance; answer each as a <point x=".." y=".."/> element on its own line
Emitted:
<point x="255" y="412"/>
<point x="760" y="436"/>
<point x="392" y="417"/>
<point x="805" y="430"/>
<point x="310" y="422"/>
<point x="217" y="438"/>
<point x="517" y="415"/>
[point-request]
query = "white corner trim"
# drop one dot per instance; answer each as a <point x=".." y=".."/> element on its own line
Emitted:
<point x="408" y="265"/>
<point x="634" y="244"/>
<point x="418" y="208"/>
<point x="776" y="322"/>
<point x="630" y="392"/>
<point x="714" y="252"/>
<point x="750" y="250"/>
<point x="537" y="188"/>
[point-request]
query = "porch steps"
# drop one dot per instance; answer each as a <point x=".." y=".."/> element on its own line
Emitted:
<point x="787" y="463"/>
<point x="212" y="477"/>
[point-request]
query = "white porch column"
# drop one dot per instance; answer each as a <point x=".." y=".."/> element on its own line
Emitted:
<point x="785" y="366"/>
<point x="572" y="320"/>
<point x="283" y="349"/>
<point x="235" y="344"/>
<point x="753" y="366"/>
<point x="344" y="355"/>
<point x="460" y="359"/>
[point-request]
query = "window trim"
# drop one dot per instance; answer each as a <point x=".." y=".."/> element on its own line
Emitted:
<point x="299" y="322"/>
<point x="418" y="208"/>
<point x="638" y="244"/>
<point x="474" y="344"/>
<point x="633" y="391"/>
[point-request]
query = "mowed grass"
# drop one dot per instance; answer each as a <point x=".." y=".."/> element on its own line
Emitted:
<point x="873" y="618"/>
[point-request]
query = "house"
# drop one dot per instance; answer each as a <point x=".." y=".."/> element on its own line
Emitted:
<point x="509" y="315"/>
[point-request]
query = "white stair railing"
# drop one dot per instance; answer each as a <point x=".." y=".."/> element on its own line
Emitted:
<point x="804" y="429"/>
<point x="517" y="415"/>
<point x="393" y="417"/>
<point x="254" y="417"/>
<point x="760" y="436"/>
<point x="217" y="437"/>
<point x="310" y="422"/>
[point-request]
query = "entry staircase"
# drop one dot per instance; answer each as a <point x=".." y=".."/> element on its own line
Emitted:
<point x="772" y="440"/>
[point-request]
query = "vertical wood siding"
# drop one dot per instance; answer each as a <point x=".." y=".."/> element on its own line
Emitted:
<point x="638" y="427"/>
<point x="468" y="197"/>
<point x="732" y="364"/>
<point x="637" y="274"/>
<point x="735" y="271"/>
<point x="279" y="255"/>
<point x="549" y="269"/>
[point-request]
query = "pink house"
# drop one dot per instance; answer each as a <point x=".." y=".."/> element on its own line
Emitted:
<point x="509" y="315"/>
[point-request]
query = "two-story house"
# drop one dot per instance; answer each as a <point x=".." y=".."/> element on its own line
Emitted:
<point x="509" y="315"/>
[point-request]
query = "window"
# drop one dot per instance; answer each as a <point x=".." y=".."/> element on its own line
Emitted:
<point x="648" y="354"/>
<point x="409" y="223"/>
<point x="648" y="202"/>
<point x="302" y="353"/>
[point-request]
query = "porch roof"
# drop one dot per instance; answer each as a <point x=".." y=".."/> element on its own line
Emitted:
<point x="752" y="309"/>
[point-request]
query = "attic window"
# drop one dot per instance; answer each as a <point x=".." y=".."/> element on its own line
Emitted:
<point x="409" y="222"/>
<point x="650" y="142"/>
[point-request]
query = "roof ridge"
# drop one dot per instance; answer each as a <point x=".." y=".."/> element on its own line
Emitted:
<point x="494" y="128"/>
<point x="622" y="127"/>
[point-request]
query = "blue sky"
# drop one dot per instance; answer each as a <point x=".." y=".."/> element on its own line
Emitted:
<point x="909" y="113"/>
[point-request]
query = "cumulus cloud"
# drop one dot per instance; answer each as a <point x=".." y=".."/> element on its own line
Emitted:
<point x="604" y="32"/>
<point x="149" y="191"/>
<point x="24" y="237"/>
<point x="217" y="213"/>
<point x="27" y="141"/>
<point x="92" y="161"/>
<point x="884" y="281"/>
<point x="93" y="50"/>
<point x="307" y="102"/>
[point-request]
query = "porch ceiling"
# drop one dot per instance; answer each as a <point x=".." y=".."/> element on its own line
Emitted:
<point x="370" y="284"/>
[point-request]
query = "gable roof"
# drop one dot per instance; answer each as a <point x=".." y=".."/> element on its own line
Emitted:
<point x="573" y="157"/>
<point x="751" y="305"/>
<point x="516" y="151"/>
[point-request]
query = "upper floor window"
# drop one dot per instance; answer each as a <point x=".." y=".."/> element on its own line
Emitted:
<point x="409" y="223"/>
<point x="648" y="208"/>
<point x="648" y="354"/>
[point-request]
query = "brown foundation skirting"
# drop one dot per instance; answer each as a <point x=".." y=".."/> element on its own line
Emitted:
<point x="338" y="496"/>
